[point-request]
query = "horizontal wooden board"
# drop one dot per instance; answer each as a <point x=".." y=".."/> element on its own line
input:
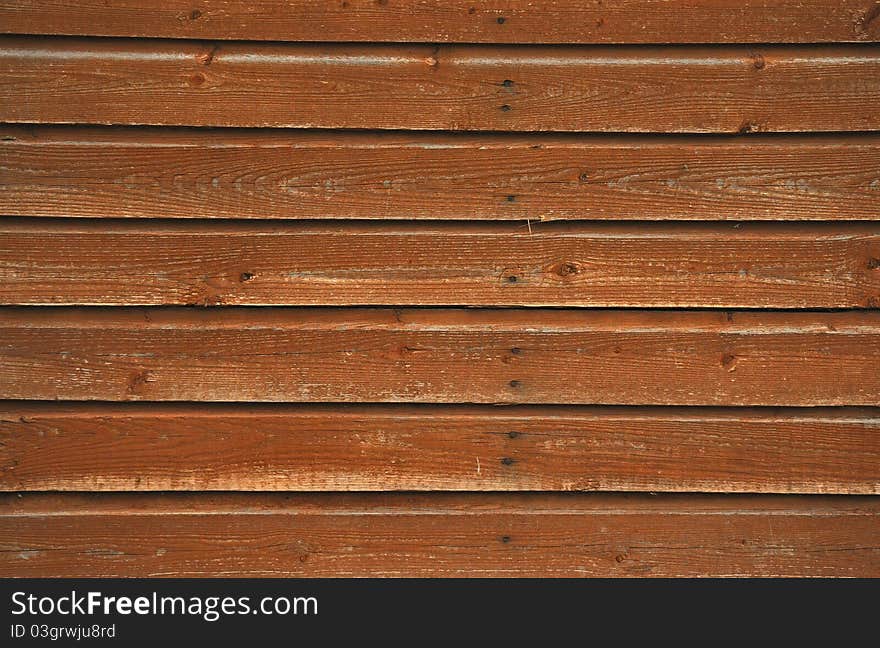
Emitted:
<point x="111" y="262"/>
<point x="437" y="535"/>
<point x="499" y="21"/>
<point x="247" y="173"/>
<point x="481" y="356"/>
<point x="731" y="89"/>
<point x="166" y="447"/>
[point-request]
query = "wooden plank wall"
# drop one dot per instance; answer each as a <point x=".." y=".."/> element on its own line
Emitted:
<point x="413" y="288"/>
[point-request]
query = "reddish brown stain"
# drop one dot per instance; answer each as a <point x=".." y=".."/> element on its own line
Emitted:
<point x="354" y="348"/>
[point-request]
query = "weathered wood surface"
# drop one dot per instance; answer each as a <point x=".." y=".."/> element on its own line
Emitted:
<point x="259" y="173"/>
<point x="480" y="356"/>
<point x="313" y="195"/>
<point x="750" y="265"/>
<point x="198" y="447"/>
<point x="438" y="535"/>
<point x="498" y="21"/>
<point x="728" y="89"/>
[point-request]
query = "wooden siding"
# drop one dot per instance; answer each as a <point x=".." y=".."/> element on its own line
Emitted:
<point x="486" y="252"/>
<point x="492" y="21"/>
<point x="187" y="446"/>
<point x="722" y="89"/>
<point x="438" y="535"/>
<point x="442" y="356"/>
<point x="153" y="263"/>
<point x="284" y="174"/>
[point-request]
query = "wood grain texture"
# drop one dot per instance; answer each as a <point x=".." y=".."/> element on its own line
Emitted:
<point x="263" y="173"/>
<point x="759" y="265"/>
<point x="498" y="21"/>
<point x="479" y="356"/>
<point x="437" y="535"/>
<point x="201" y="447"/>
<point x="141" y="432"/>
<point x="726" y="89"/>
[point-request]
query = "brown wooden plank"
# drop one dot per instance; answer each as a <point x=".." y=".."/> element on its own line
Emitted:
<point x="759" y="265"/>
<point x="438" y="535"/>
<point x="244" y="173"/>
<point x="166" y="447"/>
<point x="500" y="21"/>
<point x="509" y="88"/>
<point x="480" y="356"/>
